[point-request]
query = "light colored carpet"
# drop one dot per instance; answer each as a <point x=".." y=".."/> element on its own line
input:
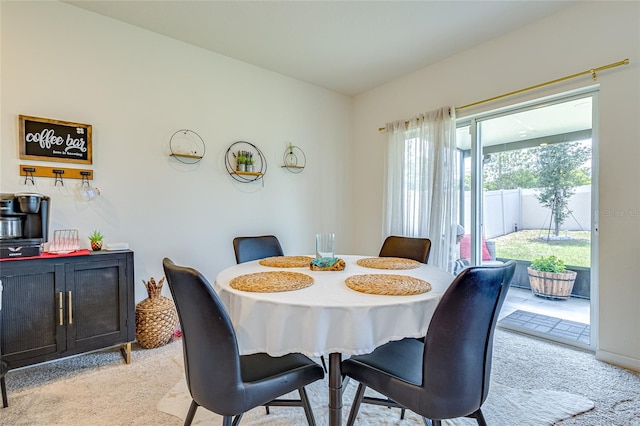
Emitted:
<point x="99" y="389"/>
<point x="504" y="406"/>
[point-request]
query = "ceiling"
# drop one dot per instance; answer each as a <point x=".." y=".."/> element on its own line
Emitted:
<point x="345" y="46"/>
<point x="556" y="122"/>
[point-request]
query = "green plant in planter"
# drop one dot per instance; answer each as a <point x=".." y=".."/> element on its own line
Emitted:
<point x="241" y="160"/>
<point x="549" y="277"/>
<point x="96" y="240"/>
<point x="249" y="157"/>
<point x="548" y="264"/>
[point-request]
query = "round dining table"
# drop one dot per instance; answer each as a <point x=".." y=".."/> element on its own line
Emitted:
<point x="328" y="317"/>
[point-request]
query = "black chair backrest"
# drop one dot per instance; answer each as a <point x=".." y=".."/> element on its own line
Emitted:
<point x="406" y="247"/>
<point x="211" y="356"/>
<point x="459" y="341"/>
<point x="253" y="248"/>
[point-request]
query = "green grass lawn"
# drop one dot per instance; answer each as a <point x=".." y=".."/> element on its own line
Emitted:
<point x="529" y="244"/>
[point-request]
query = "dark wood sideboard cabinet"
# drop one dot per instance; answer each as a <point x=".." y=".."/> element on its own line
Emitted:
<point x="57" y="307"/>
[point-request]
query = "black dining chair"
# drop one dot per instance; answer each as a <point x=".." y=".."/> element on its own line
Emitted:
<point x="218" y="377"/>
<point x="254" y="248"/>
<point x="447" y="375"/>
<point x="409" y="248"/>
<point x="406" y="247"/>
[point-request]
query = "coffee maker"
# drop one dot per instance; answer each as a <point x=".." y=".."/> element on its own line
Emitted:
<point x="24" y="224"/>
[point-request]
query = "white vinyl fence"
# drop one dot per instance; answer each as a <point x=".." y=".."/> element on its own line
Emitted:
<point x="507" y="211"/>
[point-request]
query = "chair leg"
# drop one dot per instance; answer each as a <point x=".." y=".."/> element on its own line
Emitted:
<point x="324" y="364"/>
<point x="356" y="404"/>
<point x="307" y="407"/>
<point x="3" y="386"/>
<point x="191" y="413"/>
<point x="236" y="420"/>
<point x="345" y="382"/>
<point x="479" y="418"/>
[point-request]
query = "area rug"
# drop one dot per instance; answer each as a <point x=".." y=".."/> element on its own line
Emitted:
<point x="504" y="406"/>
<point x="99" y="389"/>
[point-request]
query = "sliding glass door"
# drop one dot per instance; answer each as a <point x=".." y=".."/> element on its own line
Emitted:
<point x="528" y="175"/>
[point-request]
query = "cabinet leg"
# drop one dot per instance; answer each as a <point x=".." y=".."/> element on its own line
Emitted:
<point x="125" y="350"/>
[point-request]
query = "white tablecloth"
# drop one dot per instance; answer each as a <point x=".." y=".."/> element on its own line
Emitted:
<point x="327" y="317"/>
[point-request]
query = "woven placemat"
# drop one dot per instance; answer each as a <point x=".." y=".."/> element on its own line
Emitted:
<point x="286" y="261"/>
<point x="271" y="282"/>
<point x="386" y="284"/>
<point x="388" y="263"/>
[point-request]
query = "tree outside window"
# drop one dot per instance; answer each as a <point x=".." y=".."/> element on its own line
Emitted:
<point x="554" y="170"/>
<point x="561" y="168"/>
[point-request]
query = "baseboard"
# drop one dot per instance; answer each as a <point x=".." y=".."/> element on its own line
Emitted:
<point x="619" y="360"/>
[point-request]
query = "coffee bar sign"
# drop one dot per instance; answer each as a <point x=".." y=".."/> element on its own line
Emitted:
<point x="44" y="139"/>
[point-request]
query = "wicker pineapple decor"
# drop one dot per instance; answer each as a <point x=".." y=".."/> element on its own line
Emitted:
<point x="156" y="317"/>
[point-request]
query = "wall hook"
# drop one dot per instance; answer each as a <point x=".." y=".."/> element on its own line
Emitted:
<point x="85" y="179"/>
<point x="58" y="174"/>
<point x="28" y="175"/>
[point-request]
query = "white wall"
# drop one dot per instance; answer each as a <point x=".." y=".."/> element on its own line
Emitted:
<point x="136" y="88"/>
<point x="588" y="35"/>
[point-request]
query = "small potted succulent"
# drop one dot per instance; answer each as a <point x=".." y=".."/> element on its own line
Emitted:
<point x="241" y="161"/>
<point x="249" y="161"/>
<point x="96" y="240"/>
<point x="549" y="277"/>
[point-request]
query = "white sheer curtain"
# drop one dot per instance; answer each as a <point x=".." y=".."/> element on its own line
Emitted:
<point x="421" y="186"/>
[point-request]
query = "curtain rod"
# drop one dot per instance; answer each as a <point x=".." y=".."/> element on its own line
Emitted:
<point x="592" y="71"/>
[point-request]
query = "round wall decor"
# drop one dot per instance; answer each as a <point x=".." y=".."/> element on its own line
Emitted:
<point x="294" y="159"/>
<point x="187" y="146"/>
<point x="245" y="162"/>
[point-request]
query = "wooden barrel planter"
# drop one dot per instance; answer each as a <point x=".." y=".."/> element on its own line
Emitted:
<point x="553" y="285"/>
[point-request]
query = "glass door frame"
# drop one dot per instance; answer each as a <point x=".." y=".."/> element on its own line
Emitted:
<point x="476" y="214"/>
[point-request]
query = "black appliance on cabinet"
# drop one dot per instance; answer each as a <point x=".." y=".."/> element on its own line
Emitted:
<point x="24" y="224"/>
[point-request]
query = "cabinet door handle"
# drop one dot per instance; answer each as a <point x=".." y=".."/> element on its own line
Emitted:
<point x="60" y="315"/>
<point x="70" y="301"/>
